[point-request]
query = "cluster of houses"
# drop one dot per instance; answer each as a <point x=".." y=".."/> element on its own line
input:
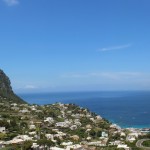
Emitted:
<point x="67" y="119"/>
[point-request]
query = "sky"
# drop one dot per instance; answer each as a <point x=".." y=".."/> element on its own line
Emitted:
<point x="75" y="45"/>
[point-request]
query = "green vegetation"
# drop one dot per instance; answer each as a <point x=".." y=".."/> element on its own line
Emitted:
<point x="146" y="143"/>
<point x="6" y="92"/>
<point x="45" y="142"/>
<point x="2" y="136"/>
<point x="52" y="125"/>
<point x="133" y="145"/>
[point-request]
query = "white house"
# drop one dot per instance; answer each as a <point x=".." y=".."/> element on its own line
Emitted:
<point x="88" y="138"/>
<point x="73" y="127"/>
<point x="49" y="119"/>
<point x="23" y="137"/>
<point x="49" y="136"/>
<point x="77" y="123"/>
<point x="73" y="147"/>
<point x="131" y="137"/>
<point x="104" y="134"/>
<point x="15" y="108"/>
<point x="32" y="133"/>
<point x="122" y="134"/>
<point x="2" y="129"/>
<point x="56" y="148"/>
<point x="65" y="124"/>
<point x="97" y="143"/>
<point x="124" y="146"/>
<point x="98" y="117"/>
<point x="117" y="142"/>
<point x="66" y="143"/>
<point x="14" y="104"/>
<point x="2" y="144"/>
<point x="115" y="126"/>
<point x="33" y="108"/>
<point x="24" y="110"/>
<point x="32" y="126"/>
<point x="16" y="141"/>
<point x="35" y="145"/>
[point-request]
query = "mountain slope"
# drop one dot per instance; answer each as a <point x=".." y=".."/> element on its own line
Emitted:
<point x="6" y="92"/>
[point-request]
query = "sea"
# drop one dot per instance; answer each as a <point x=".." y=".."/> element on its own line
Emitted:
<point x="128" y="109"/>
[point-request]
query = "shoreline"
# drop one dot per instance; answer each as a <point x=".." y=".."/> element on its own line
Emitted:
<point x="129" y="127"/>
<point x="102" y="106"/>
<point x="138" y="127"/>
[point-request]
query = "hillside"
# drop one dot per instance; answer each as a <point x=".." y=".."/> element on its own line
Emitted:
<point x="59" y="126"/>
<point x="6" y="91"/>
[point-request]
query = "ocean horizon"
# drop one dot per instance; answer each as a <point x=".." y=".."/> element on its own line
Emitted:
<point x="125" y="108"/>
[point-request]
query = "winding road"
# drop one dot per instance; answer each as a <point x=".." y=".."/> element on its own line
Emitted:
<point x="139" y="144"/>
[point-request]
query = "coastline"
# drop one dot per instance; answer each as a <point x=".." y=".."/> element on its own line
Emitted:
<point x="130" y="126"/>
<point x="106" y="104"/>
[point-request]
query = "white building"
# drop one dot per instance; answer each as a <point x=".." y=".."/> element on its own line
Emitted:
<point x="49" y="136"/>
<point x="14" y="104"/>
<point x="115" y="126"/>
<point x="73" y="127"/>
<point x="32" y="126"/>
<point x="23" y="137"/>
<point x="35" y="145"/>
<point x="65" y="124"/>
<point x="49" y="119"/>
<point x="24" y="110"/>
<point x="131" y="137"/>
<point x="56" y="148"/>
<point x="2" y="129"/>
<point x="98" y="117"/>
<point x="97" y="143"/>
<point x="73" y="147"/>
<point x="104" y="134"/>
<point x="77" y="123"/>
<point x="124" y="146"/>
<point x="66" y="143"/>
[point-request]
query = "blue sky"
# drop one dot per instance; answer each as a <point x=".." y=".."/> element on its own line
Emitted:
<point x="75" y="45"/>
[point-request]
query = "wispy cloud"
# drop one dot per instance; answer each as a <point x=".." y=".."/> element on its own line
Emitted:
<point x="109" y="75"/>
<point x="30" y="87"/>
<point x="75" y="75"/>
<point x="11" y="2"/>
<point x="111" y="80"/>
<point x="118" y="47"/>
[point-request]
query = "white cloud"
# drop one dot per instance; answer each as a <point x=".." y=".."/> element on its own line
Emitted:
<point x="30" y="87"/>
<point x="109" y="75"/>
<point x="11" y="2"/>
<point x="111" y="80"/>
<point x="75" y="75"/>
<point x="115" y="47"/>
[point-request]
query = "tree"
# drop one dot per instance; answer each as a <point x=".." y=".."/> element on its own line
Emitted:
<point x="2" y="136"/>
<point x="27" y="145"/>
<point x="99" y="133"/>
<point x="45" y="142"/>
<point x="92" y="133"/>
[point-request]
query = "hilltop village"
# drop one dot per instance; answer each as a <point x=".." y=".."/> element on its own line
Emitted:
<point x="59" y="126"/>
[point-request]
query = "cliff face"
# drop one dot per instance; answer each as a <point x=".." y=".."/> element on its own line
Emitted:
<point x="5" y="84"/>
<point x="6" y="91"/>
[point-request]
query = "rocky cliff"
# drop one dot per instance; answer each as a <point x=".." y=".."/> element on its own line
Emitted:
<point x="6" y="92"/>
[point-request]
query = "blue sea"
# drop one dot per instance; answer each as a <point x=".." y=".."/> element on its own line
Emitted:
<point x="127" y="109"/>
